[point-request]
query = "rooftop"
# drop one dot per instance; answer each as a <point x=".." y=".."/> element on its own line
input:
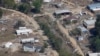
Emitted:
<point x="62" y="11"/>
<point x="90" y="22"/>
<point x="94" y="6"/>
<point x="94" y="54"/>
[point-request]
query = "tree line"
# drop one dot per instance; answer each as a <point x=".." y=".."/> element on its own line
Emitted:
<point x="95" y="40"/>
<point x="25" y="6"/>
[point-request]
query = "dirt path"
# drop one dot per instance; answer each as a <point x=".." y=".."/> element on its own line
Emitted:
<point x="72" y="40"/>
<point x="26" y="18"/>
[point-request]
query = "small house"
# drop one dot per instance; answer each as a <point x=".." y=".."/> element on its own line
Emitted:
<point x="89" y="23"/>
<point x="28" y="48"/>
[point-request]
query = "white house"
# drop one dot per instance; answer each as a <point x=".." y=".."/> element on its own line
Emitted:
<point x="23" y="30"/>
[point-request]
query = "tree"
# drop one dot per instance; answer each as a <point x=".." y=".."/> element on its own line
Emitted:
<point x="37" y="4"/>
<point x="95" y="42"/>
<point x="7" y="3"/>
<point x="75" y="32"/>
<point x="1" y="12"/>
<point x="25" y="8"/>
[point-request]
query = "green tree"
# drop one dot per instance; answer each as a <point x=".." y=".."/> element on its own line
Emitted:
<point x="37" y="4"/>
<point x="75" y="32"/>
<point x="96" y="40"/>
<point x="1" y="12"/>
<point x="25" y="8"/>
<point x="7" y="3"/>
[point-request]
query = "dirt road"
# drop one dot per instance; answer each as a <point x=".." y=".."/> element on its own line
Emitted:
<point x="72" y="40"/>
<point x="26" y="18"/>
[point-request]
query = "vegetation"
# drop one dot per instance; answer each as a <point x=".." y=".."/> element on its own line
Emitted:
<point x="7" y="3"/>
<point x="67" y="22"/>
<point x="75" y="32"/>
<point x="96" y="39"/>
<point x="53" y="40"/>
<point x="37" y="4"/>
<point x="25" y="8"/>
<point x="1" y="12"/>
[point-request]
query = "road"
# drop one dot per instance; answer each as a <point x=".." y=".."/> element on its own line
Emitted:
<point x="72" y="40"/>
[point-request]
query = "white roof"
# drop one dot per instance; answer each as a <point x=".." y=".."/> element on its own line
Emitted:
<point x="94" y="54"/>
<point x="46" y="0"/>
<point x="27" y="40"/>
<point x="36" y="40"/>
<point x="61" y="11"/>
<point x="25" y="30"/>
<point x="8" y="44"/>
<point x="22" y="28"/>
<point x="90" y="22"/>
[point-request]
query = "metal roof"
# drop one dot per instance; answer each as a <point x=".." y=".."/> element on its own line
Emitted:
<point x="89" y="22"/>
<point x="83" y="29"/>
<point x="62" y="11"/>
<point x="94" y="6"/>
<point x="94" y="54"/>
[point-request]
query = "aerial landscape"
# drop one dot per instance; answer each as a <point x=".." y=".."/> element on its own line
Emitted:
<point x="49" y="27"/>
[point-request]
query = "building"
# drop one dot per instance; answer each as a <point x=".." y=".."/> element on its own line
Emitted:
<point x="70" y="18"/>
<point x="31" y="48"/>
<point x="23" y="30"/>
<point x="28" y="40"/>
<point x="47" y="1"/>
<point x="61" y="12"/>
<point x="94" y="54"/>
<point x="28" y="48"/>
<point x="94" y="7"/>
<point x="82" y="29"/>
<point x="8" y="44"/>
<point x="89" y="23"/>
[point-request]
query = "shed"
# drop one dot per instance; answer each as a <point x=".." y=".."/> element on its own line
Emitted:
<point x="46" y="1"/>
<point x="8" y="44"/>
<point x="80" y="38"/>
<point x="27" y="40"/>
<point x="94" y="7"/>
<point x="60" y="12"/>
